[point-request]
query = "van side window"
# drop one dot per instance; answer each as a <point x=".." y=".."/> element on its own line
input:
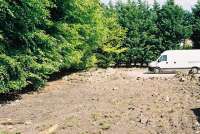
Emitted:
<point x="163" y="58"/>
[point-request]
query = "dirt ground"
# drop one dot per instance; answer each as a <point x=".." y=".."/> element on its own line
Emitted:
<point x="111" y="101"/>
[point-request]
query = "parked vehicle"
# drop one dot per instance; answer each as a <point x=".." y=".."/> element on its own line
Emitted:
<point x="176" y="60"/>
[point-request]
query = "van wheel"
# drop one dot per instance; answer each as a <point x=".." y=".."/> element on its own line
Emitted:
<point x="156" y="70"/>
<point x="194" y="70"/>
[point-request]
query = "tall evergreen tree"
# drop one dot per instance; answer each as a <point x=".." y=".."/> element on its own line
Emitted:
<point x="196" y="25"/>
<point x="141" y="39"/>
<point x="171" y="24"/>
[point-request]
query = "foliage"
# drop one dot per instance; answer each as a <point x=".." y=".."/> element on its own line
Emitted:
<point x="173" y="25"/>
<point x="111" y="47"/>
<point x="39" y="38"/>
<point x="139" y="20"/>
<point x="151" y="30"/>
<point x="196" y="25"/>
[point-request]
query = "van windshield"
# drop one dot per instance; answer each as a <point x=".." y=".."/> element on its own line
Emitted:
<point x="163" y="58"/>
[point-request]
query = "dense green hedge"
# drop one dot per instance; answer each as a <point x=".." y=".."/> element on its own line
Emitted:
<point x="38" y="38"/>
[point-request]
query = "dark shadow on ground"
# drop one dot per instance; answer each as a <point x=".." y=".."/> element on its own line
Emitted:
<point x="6" y="98"/>
<point x="63" y="72"/>
<point x="196" y="111"/>
<point x="12" y="96"/>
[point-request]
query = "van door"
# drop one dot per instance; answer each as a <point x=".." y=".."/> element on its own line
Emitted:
<point x="163" y="62"/>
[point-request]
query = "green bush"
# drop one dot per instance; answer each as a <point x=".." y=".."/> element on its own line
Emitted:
<point x="12" y="77"/>
<point x="39" y="38"/>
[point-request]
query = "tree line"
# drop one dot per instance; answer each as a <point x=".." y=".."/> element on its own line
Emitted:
<point x="39" y="38"/>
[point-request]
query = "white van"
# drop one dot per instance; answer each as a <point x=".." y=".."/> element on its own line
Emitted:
<point x="176" y="60"/>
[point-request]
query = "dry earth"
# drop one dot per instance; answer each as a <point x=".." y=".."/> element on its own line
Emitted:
<point x="111" y="101"/>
